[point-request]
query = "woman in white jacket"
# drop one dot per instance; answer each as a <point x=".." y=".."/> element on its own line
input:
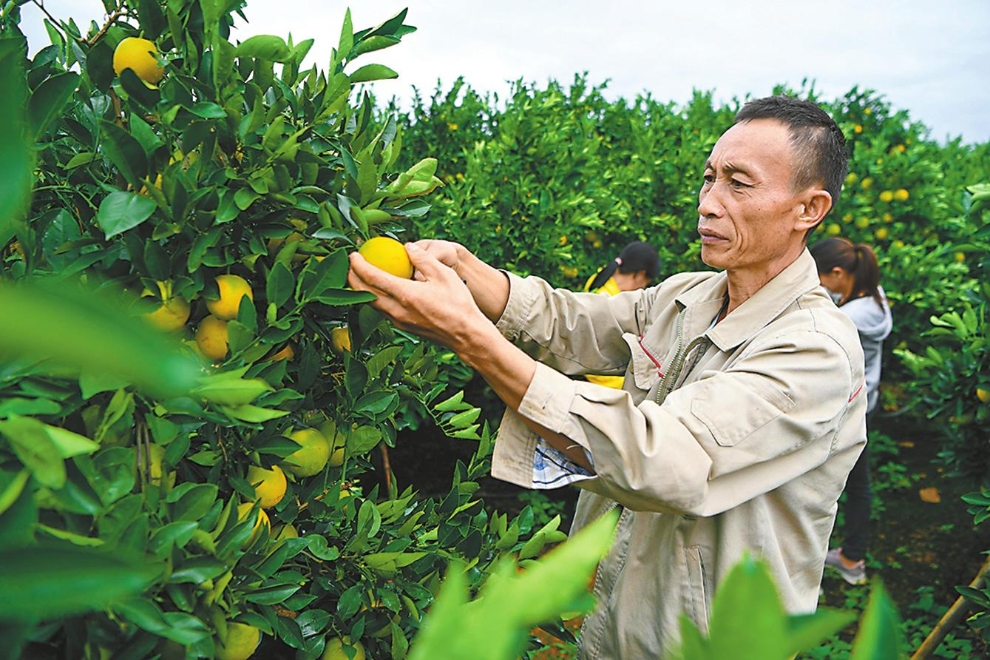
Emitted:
<point x="851" y="275"/>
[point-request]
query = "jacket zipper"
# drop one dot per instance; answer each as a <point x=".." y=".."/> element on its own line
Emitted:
<point x="674" y="370"/>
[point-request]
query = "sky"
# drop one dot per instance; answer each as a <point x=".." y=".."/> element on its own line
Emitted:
<point x="928" y="57"/>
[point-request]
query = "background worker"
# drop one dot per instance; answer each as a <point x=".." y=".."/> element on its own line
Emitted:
<point x="851" y="274"/>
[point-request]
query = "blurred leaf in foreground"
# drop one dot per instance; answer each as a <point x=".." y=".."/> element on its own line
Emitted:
<point x="80" y="328"/>
<point x="496" y="625"/>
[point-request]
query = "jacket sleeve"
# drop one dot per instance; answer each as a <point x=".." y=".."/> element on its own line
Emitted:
<point x="573" y="333"/>
<point x="767" y="417"/>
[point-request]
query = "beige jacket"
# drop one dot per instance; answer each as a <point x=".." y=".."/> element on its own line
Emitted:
<point x="724" y="439"/>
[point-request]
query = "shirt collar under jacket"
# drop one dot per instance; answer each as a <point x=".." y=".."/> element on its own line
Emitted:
<point x="704" y="301"/>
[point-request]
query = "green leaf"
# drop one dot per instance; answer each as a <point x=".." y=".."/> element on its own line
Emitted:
<point x="48" y="582"/>
<point x="30" y="442"/>
<point x="263" y="47"/>
<point x="17" y="154"/>
<point x="279" y="284"/>
<point x="318" y="276"/>
<point x="748" y="620"/>
<point x="346" y="42"/>
<point x="370" y="72"/>
<point x="125" y="152"/>
<point x="343" y="297"/>
<point x="103" y="335"/>
<point x="120" y="211"/>
<point x="49" y="99"/>
<point x="181" y="628"/>
<point x="152" y="19"/>
<point x="807" y="631"/>
<point x="253" y="414"/>
<point x="197" y="570"/>
<point x="208" y="110"/>
<point x="224" y="390"/>
<point x="879" y="636"/>
<point x="362" y="439"/>
<point x="11" y="489"/>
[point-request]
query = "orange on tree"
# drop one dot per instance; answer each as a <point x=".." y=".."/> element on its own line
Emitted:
<point x="983" y="394"/>
<point x="232" y="289"/>
<point x="334" y="650"/>
<point x="269" y="485"/>
<point x="387" y="254"/>
<point x="140" y="56"/>
<point x="340" y="339"/>
<point x="261" y="520"/>
<point x="901" y="195"/>
<point x="172" y="314"/>
<point x="287" y="352"/>
<point x="211" y="337"/>
<point x="240" y="642"/>
<point x="312" y="455"/>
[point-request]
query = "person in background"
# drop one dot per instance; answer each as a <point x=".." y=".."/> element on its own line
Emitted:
<point x="742" y="410"/>
<point x="636" y="266"/>
<point x="851" y="275"/>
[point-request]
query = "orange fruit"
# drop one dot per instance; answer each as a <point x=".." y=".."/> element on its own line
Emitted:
<point x="387" y="254"/>
<point x="312" y="455"/>
<point x="140" y="56"/>
<point x="269" y="485"/>
<point x="340" y="339"/>
<point x="232" y="289"/>
<point x="211" y="338"/>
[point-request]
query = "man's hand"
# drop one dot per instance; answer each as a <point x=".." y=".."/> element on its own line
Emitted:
<point x="436" y="304"/>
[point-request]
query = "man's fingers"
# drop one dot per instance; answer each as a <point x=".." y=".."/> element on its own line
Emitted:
<point x="427" y="266"/>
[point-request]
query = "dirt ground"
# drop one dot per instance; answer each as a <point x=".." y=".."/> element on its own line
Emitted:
<point x="921" y="549"/>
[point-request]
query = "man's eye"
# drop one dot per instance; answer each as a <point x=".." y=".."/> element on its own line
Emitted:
<point x="709" y="178"/>
<point x="736" y="183"/>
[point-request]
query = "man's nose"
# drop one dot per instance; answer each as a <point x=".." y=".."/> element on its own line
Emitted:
<point x="709" y="204"/>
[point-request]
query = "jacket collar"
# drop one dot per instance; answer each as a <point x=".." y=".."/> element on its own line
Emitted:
<point x="703" y="303"/>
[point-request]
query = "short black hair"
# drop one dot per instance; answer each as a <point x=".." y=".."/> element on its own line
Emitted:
<point x="819" y="145"/>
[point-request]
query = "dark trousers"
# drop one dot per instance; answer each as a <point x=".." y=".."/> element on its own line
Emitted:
<point x="859" y="499"/>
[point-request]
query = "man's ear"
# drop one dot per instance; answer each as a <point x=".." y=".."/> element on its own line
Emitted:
<point x="813" y="209"/>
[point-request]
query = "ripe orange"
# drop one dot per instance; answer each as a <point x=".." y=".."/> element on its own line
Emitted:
<point x="334" y="649"/>
<point x="340" y="339"/>
<point x="232" y="288"/>
<point x="211" y="338"/>
<point x="260" y="521"/>
<point x="141" y="57"/>
<point x="240" y="643"/>
<point x="171" y="315"/>
<point x="387" y="254"/>
<point x="269" y="485"/>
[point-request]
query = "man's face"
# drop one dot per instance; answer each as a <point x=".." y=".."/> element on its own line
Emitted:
<point x="747" y="207"/>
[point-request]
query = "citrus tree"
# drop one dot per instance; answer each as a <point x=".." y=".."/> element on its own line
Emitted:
<point x="214" y="189"/>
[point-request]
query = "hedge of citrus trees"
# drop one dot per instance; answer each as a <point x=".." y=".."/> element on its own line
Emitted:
<point x="214" y="189"/>
<point x="554" y="180"/>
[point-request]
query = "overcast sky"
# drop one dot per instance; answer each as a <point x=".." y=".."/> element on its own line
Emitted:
<point x="929" y="57"/>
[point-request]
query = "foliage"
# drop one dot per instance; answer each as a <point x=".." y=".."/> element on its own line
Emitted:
<point x="979" y="597"/>
<point x="238" y="162"/>
<point x="951" y="373"/>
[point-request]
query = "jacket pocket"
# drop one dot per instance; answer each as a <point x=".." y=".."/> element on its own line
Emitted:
<point x="733" y="410"/>
<point x="696" y="598"/>
<point x="645" y="371"/>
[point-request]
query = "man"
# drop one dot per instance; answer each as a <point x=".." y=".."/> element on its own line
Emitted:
<point x="742" y="410"/>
